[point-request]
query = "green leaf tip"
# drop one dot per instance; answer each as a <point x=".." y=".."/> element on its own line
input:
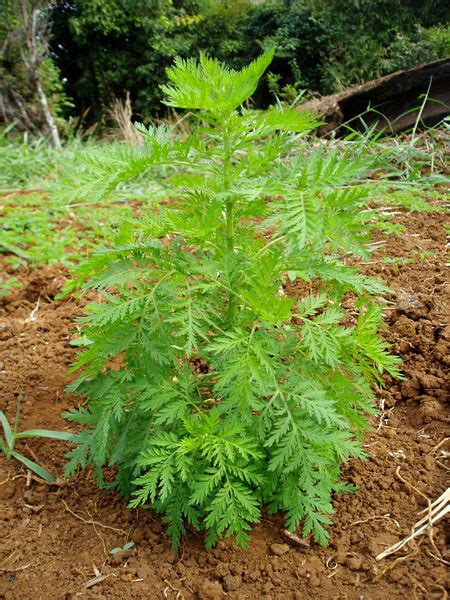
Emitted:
<point x="208" y="85"/>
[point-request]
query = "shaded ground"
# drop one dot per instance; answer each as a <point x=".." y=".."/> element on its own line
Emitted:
<point x="54" y="538"/>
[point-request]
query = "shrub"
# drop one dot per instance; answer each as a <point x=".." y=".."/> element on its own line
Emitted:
<point x="211" y="389"/>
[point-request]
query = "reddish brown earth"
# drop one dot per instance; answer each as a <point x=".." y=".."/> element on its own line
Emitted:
<point x="54" y="539"/>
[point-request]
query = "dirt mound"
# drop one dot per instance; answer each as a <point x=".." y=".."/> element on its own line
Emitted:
<point x="56" y="540"/>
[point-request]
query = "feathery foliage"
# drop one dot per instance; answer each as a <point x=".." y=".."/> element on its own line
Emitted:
<point x="211" y="388"/>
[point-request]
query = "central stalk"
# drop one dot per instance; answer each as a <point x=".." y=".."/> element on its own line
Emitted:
<point x="229" y="226"/>
<point x="230" y="260"/>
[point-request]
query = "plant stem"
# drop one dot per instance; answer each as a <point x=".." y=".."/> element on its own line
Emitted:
<point x="229" y="226"/>
<point x="230" y="256"/>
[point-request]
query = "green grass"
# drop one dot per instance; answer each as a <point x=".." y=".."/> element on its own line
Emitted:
<point x="413" y="161"/>
<point x="25" y="163"/>
<point x="11" y="435"/>
<point x="39" y="222"/>
<point x="36" y="229"/>
<point x="41" y="230"/>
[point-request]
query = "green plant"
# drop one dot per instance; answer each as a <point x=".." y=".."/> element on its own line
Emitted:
<point x="30" y="228"/>
<point x="127" y="546"/>
<point x="7" y="285"/>
<point x="22" y="160"/>
<point x="397" y="262"/>
<point x="211" y="388"/>
<point x="11" y="435"/>
<point x="412" y="165"/>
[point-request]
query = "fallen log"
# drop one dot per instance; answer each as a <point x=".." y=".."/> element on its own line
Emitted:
<point x="393" y="102"/>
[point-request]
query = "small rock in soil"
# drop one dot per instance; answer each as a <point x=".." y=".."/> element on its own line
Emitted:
<point x="279" y="549"/>
<point x="430" y="409"/>
<point x="410" y="388"/>
<point x="6" y="331"/>
<point x="8" y="514"/>
<point x="429" y="462"/>
<point x="268" y="586"/>
<point x="354" y="563"/>
<point x="253" y="575"/>
<point x="232" y="583"/>
<point x="210" y="590"/>
<point x="236" y="569"/>
<point x="7" y="490"/>
<point x="45" y="519"/>
<point x="222" y="570"/>
<point x="170" y="556"/>
<point x="144" y="572"/>
<point x="412" y="307"/>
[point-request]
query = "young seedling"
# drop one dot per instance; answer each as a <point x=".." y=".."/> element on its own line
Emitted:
<point x="11" y="435"/>
<point x="211" y="387"/>
<point x="124" y="548"/>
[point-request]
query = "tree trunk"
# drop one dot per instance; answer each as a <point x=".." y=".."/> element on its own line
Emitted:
<point x="49" y="120"/>
<point x="393" y="103"/>
<point x="37" y="44"/>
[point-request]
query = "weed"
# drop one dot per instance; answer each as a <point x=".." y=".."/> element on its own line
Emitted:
<point x="23" y="161"/>
<point x="397" y="262"/>
<point x="127" y="546"/>
<point x="7" y="443"/>
<point x="224" y="393"/>
<point x="8" y="285"/>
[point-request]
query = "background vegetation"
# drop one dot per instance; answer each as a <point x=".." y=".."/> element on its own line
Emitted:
<point x="93" y="51"/>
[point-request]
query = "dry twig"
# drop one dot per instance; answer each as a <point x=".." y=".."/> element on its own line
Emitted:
<point x="375" y="518"/>
<point x="171" y="587"/>
<point x="91" y="521"/>
<point x="14" y="570"/>
<point x="436" y="510"/>
<point x="97" y="579"/>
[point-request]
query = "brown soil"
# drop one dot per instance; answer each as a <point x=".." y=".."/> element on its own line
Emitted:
<point x="56" y="538"/>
